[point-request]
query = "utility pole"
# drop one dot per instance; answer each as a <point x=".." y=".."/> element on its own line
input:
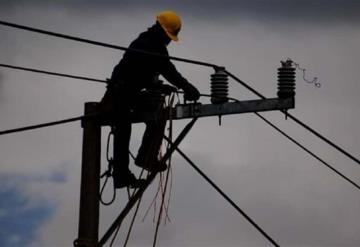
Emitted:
<point x="90" y="183"/>
<point x="220" y="106"/>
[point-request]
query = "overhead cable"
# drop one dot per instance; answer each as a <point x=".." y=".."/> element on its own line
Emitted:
<point x="97" y="43"/>
<point x="64" y="36"/>
<point x="297" y="143"/>
<point x="205" y="95"/>
<point x="307" y="127"/>
<point x="51" y="73"/>
<point x="225" y="196"/>
<point x="307" y="150"/>
<point x="174" y="58"/>
<point x="37" y="126"/>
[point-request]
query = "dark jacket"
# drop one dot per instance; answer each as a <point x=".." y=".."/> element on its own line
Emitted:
<point x="137" y="71"/>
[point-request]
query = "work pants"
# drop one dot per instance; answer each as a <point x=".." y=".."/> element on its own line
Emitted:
<point x="123" y="104"/>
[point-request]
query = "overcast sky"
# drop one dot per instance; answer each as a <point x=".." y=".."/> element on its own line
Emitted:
<point x="293" y="197"/>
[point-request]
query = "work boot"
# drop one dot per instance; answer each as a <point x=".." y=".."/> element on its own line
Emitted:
<point x="127" y="179"/>
<point x="156" y="166"/>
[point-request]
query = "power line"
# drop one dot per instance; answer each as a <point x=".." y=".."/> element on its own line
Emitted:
<point x="298" y="144"/>
<point x="298" y="121"/>
<point x="231" y="75"/>
<point x="205" y="95"/>
<point x="323" y="138"/>
<point x="64" y="36"/>
<point x="224" y="195"/>
<point x="51" y="73"/>
<point x="97" y="43"/>
<point x="307" y="150"/>
<point x="37" y="126"/>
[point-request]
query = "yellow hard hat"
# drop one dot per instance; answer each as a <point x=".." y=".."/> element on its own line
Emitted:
<point x="171" y="23"/>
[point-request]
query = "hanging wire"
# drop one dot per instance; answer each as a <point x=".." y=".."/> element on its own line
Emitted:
<point x="313" y="81"/>
<point x="163" y="195"/>
<point x="171" y="103"/>
<point x="160" y="188"/>
<point x="169" y="171"/>
<point x="152" y="204"/>
<point x="163" y="190"/>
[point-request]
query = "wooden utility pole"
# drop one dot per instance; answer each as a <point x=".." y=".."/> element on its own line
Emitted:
<point x="90" y="183"/>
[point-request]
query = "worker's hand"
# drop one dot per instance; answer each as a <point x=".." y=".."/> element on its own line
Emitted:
<point x="167" y="89"/>
<point x="191" y="93"/>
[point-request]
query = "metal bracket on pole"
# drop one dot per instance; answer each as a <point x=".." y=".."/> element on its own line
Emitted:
<point x="207" y="110"/>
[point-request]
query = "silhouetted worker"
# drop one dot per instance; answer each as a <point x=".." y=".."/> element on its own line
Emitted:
<point x="136" y="73"/>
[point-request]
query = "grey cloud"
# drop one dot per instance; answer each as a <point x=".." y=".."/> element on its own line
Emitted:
<point x="281" y="10"/>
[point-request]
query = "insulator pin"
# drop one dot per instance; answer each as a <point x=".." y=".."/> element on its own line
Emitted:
<point x="219" y="86"/>
<point x="286" y="80"/>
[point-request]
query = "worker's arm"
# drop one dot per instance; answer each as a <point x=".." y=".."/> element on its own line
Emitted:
<point x="170" y="73"/>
